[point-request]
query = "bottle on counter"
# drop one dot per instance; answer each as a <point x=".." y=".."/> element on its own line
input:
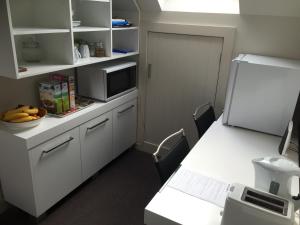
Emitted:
<point x="99" y="51"/>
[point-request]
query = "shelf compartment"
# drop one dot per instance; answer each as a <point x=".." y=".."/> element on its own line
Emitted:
<point x="127" y="39"/>
<point x="37" y="30"/>
<point x="56" y="50"/>
<point x="92" y="15"/>
<point x="92" y="37"/>
<point x="89" y="29"/>
<point x="124" y="28"/>
<point x="40" y="13"/>
<point x="126" y="9"/>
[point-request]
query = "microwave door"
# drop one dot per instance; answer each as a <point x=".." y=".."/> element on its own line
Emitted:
<point x="120" y="82"/>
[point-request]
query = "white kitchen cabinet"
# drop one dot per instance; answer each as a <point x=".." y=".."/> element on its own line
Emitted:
<point x="124" y="127"/>
<point x="50" y="23"/>
<point x="56" y="169"/>
<point x="96" y="144"/>
<point x="41" y="165"/>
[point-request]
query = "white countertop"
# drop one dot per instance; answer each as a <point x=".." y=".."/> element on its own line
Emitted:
<point x="224" y="153"/>
<point x="51" y="127"/>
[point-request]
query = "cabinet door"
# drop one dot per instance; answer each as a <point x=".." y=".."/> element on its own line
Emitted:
<point x="56" y="169"/>
<point x="96" y="144"/>
<point x="124" y="127"/>
<point x="171" y="57"/>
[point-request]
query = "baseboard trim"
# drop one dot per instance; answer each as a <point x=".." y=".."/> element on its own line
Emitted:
<point x="147" y="147"/>
<point x="3" y="205"/>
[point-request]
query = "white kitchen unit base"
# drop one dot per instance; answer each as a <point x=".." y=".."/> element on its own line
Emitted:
<point x="40" y="166"/>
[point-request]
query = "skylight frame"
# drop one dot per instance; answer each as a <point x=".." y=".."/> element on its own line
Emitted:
<point x="201" y="6"/>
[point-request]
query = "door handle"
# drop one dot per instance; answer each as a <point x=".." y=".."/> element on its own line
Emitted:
<point x="125" y="110"/>
<point x="98" y="124"/>
<point x="149" y="71"/>
<point x="56" y="147"/>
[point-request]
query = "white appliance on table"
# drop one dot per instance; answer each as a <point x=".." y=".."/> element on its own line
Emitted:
<point x="249" y="206"/>
<point x="262" y="93"/>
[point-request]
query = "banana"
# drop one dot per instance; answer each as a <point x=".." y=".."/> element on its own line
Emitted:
<point x="31" y="111"/>
<point x="24" y="107"/>
<point x="23" y="119"/>
<point x="14" y="116"/>
<point x="18" y="110"/>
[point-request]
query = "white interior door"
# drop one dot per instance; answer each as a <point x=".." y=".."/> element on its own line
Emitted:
<point x="183" y="74"/>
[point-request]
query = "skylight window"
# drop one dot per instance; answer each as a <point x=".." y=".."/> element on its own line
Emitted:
<point x="204" y="6"/>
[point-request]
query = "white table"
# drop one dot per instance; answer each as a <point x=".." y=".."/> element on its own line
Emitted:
<point x="224" y="153"/>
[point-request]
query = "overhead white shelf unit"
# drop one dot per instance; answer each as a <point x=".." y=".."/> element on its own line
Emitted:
<point x="126" y="38"/>
<point x="50" y="23"/>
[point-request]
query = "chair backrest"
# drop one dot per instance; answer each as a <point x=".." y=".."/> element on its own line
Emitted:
<point x="205" y="119"/>
<point x="299" y="148"/>
<point x="168" y="163"/>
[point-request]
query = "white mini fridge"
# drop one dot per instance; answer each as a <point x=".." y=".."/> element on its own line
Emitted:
<point x="262" y="93"/>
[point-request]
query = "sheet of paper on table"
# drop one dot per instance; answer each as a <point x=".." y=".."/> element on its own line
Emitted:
<point x="202" y="187"/>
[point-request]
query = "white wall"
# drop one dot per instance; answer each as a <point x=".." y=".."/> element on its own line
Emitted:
<point x="24" y="91"/>
<point x="268" y="35"/>
<point x="270" y="7"/>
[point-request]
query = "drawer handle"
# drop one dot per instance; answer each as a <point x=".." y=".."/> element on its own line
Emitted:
<point x="56" y="147"/>
<point x="125" y="110"/>
<point x="98" y="124"/>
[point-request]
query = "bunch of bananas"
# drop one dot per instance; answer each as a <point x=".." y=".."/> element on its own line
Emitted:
<point x="23" y="113"/>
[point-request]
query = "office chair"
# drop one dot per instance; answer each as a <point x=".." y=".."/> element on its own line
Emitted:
<point x="205" y="119"/>
<point x="168" y="163"/>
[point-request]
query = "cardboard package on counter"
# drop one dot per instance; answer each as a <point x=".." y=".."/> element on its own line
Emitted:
<point x="50" y="96"/>
<point x="68" y="80"/>
<point x="58" y="94"/>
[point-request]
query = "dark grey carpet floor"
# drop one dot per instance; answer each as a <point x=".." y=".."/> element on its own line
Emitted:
<point x="115" y="196"/>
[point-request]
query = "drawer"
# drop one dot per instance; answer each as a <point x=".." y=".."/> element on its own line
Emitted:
<point x="56" y="169"/>
<point x="96" y="144"/>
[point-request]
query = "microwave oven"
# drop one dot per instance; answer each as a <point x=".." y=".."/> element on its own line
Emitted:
<point x="108" y="82"/>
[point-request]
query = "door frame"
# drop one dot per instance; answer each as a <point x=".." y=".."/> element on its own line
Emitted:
<point x="227" y="33"/>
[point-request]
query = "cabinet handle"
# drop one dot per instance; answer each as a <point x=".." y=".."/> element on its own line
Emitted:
<point x="98" y="124"/>
<point x="56" y="147"/>
<point x="130" y="107"/>
<point x="149" y="71"/>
